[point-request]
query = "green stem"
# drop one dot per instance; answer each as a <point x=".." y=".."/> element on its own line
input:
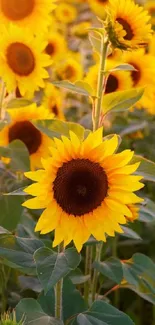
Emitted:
<point x="88" y="270"/>
<point x="2" y="95"/>
<point x="96" y="273"/>
<point x="100" y="87"/>
<point x="114" y="254"/>
<point x="58" y="292"/>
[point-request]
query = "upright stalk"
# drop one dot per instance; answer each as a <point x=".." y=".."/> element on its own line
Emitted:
<point x="88" y="271"/>
<point x="58" y="293"/>
<point x="101" y="79"/>
<point x="96" y="120"/>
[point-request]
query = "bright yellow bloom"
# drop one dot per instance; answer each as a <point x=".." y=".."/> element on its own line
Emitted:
<point x="117" y="80"/>
<point x="56" y="46"/>
<point x="99" y="7"/>
<point x="144" y="76"/>
<point x="34" y="14"/>
<point x="128" y="25"/>
<point x="82" y="186"/>
<point x="65" y="13"/>
<point x="150" y="6"/>
<point x="22" y="61"/>
<point x="69" y="69"/>
<point x="53" y="101"/>
<point x="21" y="128"/>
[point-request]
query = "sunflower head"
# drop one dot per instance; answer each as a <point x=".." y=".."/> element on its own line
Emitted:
<point x="22" y="61"/>
<point x="66" y="13"/>
<point x="82" y="186"/>
<point x="69" y="69"/>
<point x="53" y="101"/>
<point x="21" y="128"/>
<point x="127" y="25"/>
<point x="150" y="7"/>
<point x="99" y="7"/>
<point x="56" y="46"/>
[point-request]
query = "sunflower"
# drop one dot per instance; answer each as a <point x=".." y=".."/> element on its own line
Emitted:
<point x="99" y="7"/>
<point x="53" y="101"/>
<point x="117" y="80"/>
<point x="65" y="13"/>
<point x="128" y="25"/>
<point x="68" y="69"/>
<point x="81" y="187"/>
<point x="135" y="212"/>
<point x="21" y="128"/>
<point x="56" y="46"/>
<point x="144" y="76"/>
<point x="150" y="6"/>
<point x="81" y="29"/>
<point x="22" y="61"/>
<point x="32" y="13"/>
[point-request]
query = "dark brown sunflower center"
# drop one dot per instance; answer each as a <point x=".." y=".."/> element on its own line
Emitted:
<point x="17" y="9"/>
<point x="152" y="11"/>
<point x="50" y="49"/>
<point x="135" y="75"/>
<point x="80" y="186"/>
<point x="20" y="59"/>
<point x="112" y="84"/>
<point x="27" y="133"/>
<point x="103" y="1"/>
<point x="126" y="26"/>
<point x="54" y="109"/>
<point x="68" y="72"/>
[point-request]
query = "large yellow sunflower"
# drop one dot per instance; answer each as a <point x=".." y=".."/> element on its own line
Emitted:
<point x="117" y="80"/>
<point x="53" y="101"/>
<point x="34" y="14"/>
<point x="128" y="24"/>
<point x="21" y="128"/>
<point x="84" y="188"/>
<point x="99" y="7"/>
<point x="144" y="76"/>
<point x="22" y="61"/>
<point x="56" y="46"/>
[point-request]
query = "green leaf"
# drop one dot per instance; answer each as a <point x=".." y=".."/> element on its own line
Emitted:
<point x="101" y="313"/>
<point x="57" y="128"/>
<point x="96" y="43"/>
<point x="147" y="211"/>
<point x="19" y="155"/>
<point x="31" y="312"/>
<point x="139" y="275"/>
<point x="4" y="231"/>
<point x="72" y="301"/>
<point x="11" y="211"/>
<point x="129" y="233"/>
<point x="18" y="192"/>
<point x="123" y="67"/>
<point x="77" y="277"/>
<point x="146" y="168"/>
<point x="18" y="252"/>
<point x="121" y="100"/>
<point x="111" y="268"/>
<point x="51" y="266"/>
<point x="79" y="87"/>
<point x="18" y="103"/>
<point x="134" y="128"/>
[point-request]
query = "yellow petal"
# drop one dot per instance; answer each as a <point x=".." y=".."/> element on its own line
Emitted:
<point x="124" y="197"/>
<point x="118" y="207"/>
<point x="35" y="203"/>
<point x="35" y="176"/>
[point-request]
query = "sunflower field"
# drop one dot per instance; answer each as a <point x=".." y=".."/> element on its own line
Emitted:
<point x="77" y="170"/>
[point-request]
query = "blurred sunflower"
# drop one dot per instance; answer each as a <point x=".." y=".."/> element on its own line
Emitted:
<point x="66" y="13"/>
<point x="81" y="29"/>
<point x="22" y="61"/>
<point x="128" y="25"/>
<point x="21" y="128"/>
<point x="56" y="46"/>
<point x="135" y="212"/>
<point x="81" y="187"/>
<point x="99" y="7"/>
<point x="69" y="69"/>
<point x="150" y="6"/>
<point x="144" y="76"/>
<point x="32" y="13"/>
<point x="117" y="80"/>
<point x="52" y="100"/>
